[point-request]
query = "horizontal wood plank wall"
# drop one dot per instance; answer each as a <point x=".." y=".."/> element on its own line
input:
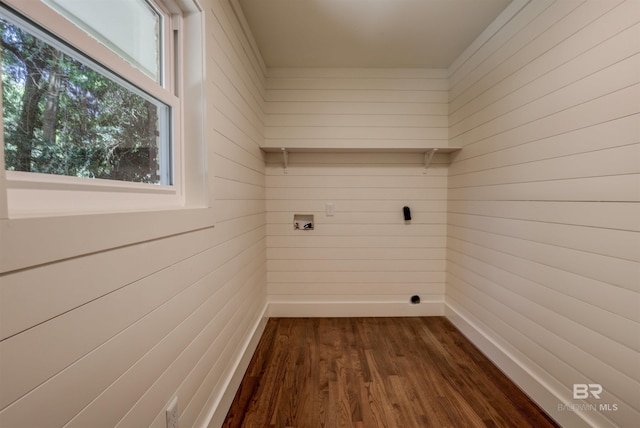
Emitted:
<point x="365" y="259"/>
<point x="362" y="108"/>
<point x="107" y="339"/>
<point x="543" y="254"/>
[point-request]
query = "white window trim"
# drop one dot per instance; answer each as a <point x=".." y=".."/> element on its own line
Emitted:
<point x="21" y="200"/>
<point x="116" y="213"/>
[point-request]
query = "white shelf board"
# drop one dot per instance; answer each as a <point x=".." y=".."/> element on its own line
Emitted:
<point x="429" y="152"/>
<point x="278" y="149"/>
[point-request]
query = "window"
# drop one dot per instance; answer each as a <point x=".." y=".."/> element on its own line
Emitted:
<point x="63" y="115"/>
<point x="104" y="107"/>
<point x="110" y="180"/>
<point x="131" y="28"/>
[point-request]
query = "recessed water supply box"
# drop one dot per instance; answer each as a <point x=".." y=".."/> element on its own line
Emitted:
<point x="303" y="222"/>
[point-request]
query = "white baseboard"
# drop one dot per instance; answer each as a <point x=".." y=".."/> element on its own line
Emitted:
<point x="287" y="309"/>
<point x="217" y="409"/>
<point x="530" y="379"/>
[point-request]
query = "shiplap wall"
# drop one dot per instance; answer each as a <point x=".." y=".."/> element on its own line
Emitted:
<point x="363" y="260"/>
<point x="543" y="244"/>
<point x="107" y="339"/>
<point x="357" y="108"/>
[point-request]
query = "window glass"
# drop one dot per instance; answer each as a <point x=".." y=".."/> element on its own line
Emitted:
<point x="63" y="114"/>
<point x="131" y="28"/>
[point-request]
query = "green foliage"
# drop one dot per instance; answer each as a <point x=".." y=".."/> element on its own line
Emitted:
<point x="63" y="117"/>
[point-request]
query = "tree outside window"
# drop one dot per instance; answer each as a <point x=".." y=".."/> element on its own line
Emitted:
<point x="62" y="116"/>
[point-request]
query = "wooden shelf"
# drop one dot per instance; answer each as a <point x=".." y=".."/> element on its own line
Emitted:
<point x="429" y="152"/>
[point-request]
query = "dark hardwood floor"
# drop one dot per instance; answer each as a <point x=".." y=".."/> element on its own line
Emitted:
<point x="375" y="372"/>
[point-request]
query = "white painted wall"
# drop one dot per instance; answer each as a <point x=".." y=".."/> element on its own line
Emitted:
<point x="544" y="217"/>
<point x="356" y="108"/>
<point x="363" y="260"/>
<point x="107" y="338"/>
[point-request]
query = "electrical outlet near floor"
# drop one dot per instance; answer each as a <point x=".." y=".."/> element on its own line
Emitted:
<point x="172" y="413"/>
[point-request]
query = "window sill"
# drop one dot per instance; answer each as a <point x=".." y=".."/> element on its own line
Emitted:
<point x="37" y="241"/>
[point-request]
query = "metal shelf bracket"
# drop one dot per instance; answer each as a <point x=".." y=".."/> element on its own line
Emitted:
<point x="285" y="156"/>
<point x="428" y="156"/>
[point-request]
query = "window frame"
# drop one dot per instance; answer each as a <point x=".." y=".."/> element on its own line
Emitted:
<point x="152" y="4"/>
<point x="21" y="188"/>
<point x="104" y="214"/>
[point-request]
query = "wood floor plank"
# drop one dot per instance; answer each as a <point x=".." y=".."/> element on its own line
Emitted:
<point x="375" y="372"/>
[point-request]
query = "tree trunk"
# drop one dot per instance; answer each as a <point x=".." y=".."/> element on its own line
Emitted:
<point x="52" y="99"/>
<point x="29" y="118"/>
<point x="30" y="115"/>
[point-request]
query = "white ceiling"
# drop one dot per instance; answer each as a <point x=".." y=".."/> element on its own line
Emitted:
<point x="367" y="33"/>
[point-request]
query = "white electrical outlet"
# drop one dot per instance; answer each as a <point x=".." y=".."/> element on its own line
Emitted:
<point x="172" y="413"/>
<point x="329" y="208"/>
